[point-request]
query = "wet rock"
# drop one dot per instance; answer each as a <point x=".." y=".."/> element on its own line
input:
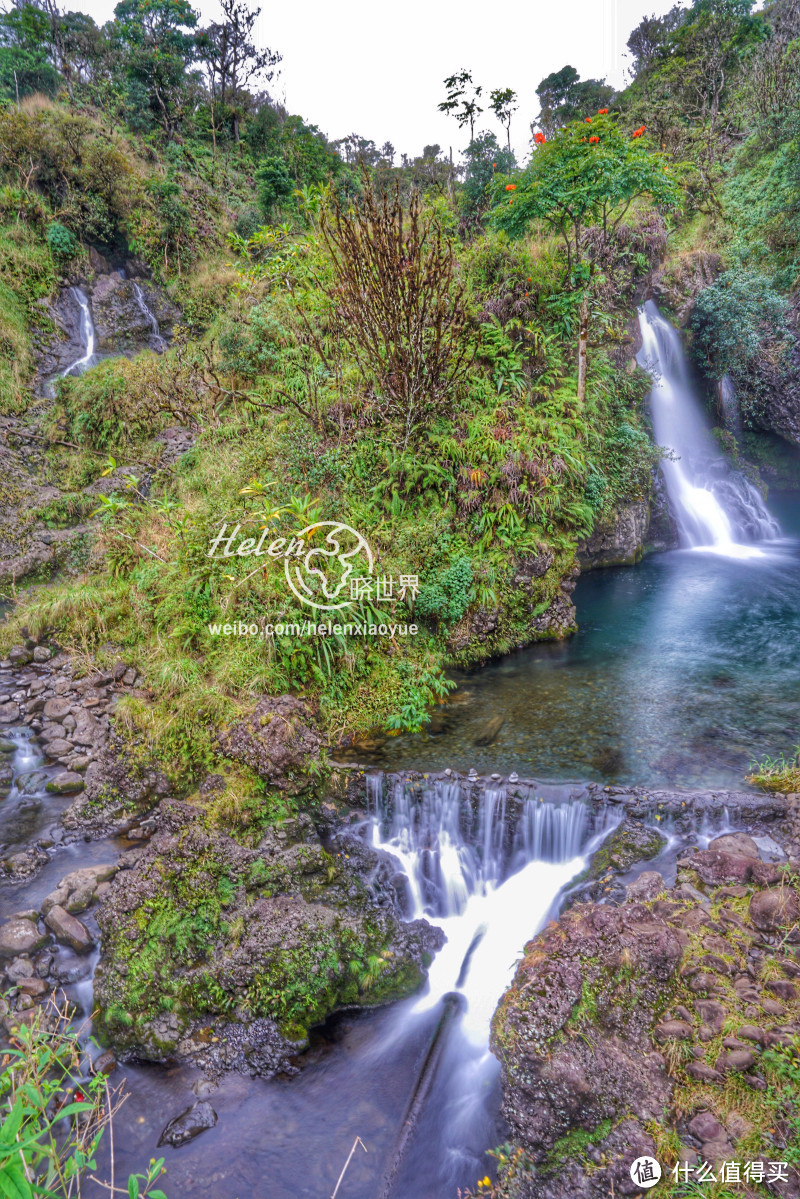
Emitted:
<point x="104" y="1063"/>
<point x="9" y="712"/>
<point x="490" y="731"/>
<point x="58" y="748"/>
<point x="715" y="868"/>
<point x="76" y="890"/>
<point x="69" y="929"/>
<point x="619" y="540"/>
<point x="57" y="708"/>
<point x="65" y="783"/>
<point x="32" y="987"/>
<point x="188" y="1125"/>
<point x="735" y="843"/>
<point x="775" y="909"/>
<point x="630" y="842"/>
<point x="18" y="936"/>
<point x="647" y="886"/>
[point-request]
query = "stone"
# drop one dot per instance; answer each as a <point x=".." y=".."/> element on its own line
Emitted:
<point x="711" y="1013"/>
<point x="69" y="929"/>
<point x="34" y="987"/>
<point x="775" y="910"/>
<point x="703" y="1073"/>
<point x="717" y="1150"/>
<point x="737" y="843"/>
<point x="20" y="936"/>
<point x="57" y="708"/>
<point x="647" y="886"/>
<point x="276" y="741"/>
<point x="736" y="1060"/>
<point x="58" y="748"/>
<point x="189" y="1124"/>
<point x="772" y="1007"/>
<point x="104" y="1063"/>
<point x="751" y="1032"/>
<point x="41" y="654"/>
<point x="65" y="783"/>
<point x="19" y="968"/>
<point x="9" y="712"/>
<point x="715" y="868"/>
<point x="706" y="1127"/>
<point x="677" y="1030"/>
<point x="782" y="988"/>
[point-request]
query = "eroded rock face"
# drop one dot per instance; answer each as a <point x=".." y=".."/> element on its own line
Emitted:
<point x="248" y="947"/>
<point x="619" y="541"/>
<point x="613" y="1008"/>
<point x="679" y="284"/>
<point x="276" y="741"/>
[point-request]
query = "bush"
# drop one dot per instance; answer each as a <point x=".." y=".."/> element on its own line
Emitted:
<point x="732" y="321"/>
<point x="62" y="243"/>
<point x="447" y="598"/>
<point x="273" y="183"/>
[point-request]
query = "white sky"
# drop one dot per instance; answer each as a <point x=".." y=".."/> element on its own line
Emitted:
<point x="357" y="66"/>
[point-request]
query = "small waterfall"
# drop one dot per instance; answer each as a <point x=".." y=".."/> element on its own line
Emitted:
<point x="728" y="406"/>
<point x="715" y="507"/>
<point x="87" y="335"/>
<point x="488" y="872"/>
<point x="150" y="316"/>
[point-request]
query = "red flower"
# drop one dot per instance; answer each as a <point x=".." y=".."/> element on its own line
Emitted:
<point x="511" y="187"/>
<point x="593" y="139"/>
<point x="602" y="112"/>
<point x="588" y="120"/>
<point x="638" y="132"/>
<point x="494" y="164"/>
<point x="80" y="1097"/>
<point x="539" y="138"/>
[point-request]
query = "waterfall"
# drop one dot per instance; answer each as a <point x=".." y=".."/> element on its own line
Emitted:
<point x="149" y="315"/>
<point x="728" y="405"/>
<point x="488" y="871"/>
<point x="715" y="508"/>
<point x="87" y="335"/>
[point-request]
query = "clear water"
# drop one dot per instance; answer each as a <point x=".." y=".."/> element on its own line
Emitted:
<point x="682" y="671"/>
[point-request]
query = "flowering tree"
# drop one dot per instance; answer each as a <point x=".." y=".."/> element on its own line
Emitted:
<point x="586" y="175"/>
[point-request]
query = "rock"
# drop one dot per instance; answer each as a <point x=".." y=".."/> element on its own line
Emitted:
<point x="630" y="842"/>
<point x="104" y="1063"/>
<point x="677" y="1030"/>
<point x="782" y="988"/>
<point x="20" y="655"/>
<point x="9" y="712"/>
<point x="20" y="936"/>
<point x="705" y="1127"/>
<point x="775" y="910"/>
<point x="647" y="886"/>
<point x="6" y="746"/>
<point x="703" y="1073"/>
<point x="69" y="929"/>
<point x="490" y="731"/>
<point x="717" y="1150"/>
<point x="58" y="748"/>
<point x="618" y="540"/>
<point x="41" y="654"/>
<point x="65" y="783"/>
<point x="57" y="708"/>
<point x="736" y="1060"/>
<point x="33" y="987"/>
<point x="277" y="742"/>
<point x="751" y="1032"/>
<point x="715" y="868"/>
<point x="735" y="843"/>
<point x="188" y="1125"/>
<point x="711" y="1013"/>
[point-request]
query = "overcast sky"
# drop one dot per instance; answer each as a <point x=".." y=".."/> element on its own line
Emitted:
<point x="353" y="66"/>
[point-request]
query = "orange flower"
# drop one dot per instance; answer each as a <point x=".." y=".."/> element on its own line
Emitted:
<point x="602" y="112"/>
<point x="511" y="187"/>
<point x="588" y="120"/>
<point x="593" y="139"/>
<point x="539" y="138"/>
<point x="638" y="132"/>
<point x="494" y="164"/>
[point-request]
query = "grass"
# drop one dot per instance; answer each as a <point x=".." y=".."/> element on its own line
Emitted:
<point x="777" y="774"/>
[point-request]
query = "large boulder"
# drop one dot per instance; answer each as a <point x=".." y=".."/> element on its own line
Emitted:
<point x="277" y="741"/>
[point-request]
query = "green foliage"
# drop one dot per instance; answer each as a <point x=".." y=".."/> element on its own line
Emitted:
<point x="273" y="183"/>
<point x="62" y="243"/>
<point x="447" y="596"/>
<point x="54" y="1116"/>
<point x="565" y="97"/>
<point x="732" y="319"/>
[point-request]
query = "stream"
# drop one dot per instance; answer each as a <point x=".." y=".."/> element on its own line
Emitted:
<point x="683" y="666"/>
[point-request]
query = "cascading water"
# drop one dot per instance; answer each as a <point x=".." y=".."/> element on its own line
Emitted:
<point x="150" y="316"/>
<point x="87" y="335"/>
<point x="489" y="878"/>
<point x="715" y="507"/>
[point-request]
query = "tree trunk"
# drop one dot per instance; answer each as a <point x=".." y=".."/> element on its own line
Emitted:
<point x="583" y="347"/>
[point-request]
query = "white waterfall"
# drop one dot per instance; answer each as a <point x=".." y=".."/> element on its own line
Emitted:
<point x="715" y="508"/>
<point x="87" y="335"/>
<point x="489" y="881"/>
<point x="149" y="315"/>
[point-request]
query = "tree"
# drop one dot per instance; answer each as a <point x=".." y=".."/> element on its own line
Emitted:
<point x="24" y="62"/>
<point x="156" y="38"/>
<point x="484" y="160"/>
<point x="586" y="175"/>
<point x="232" y="60"/>
<point x="564" y="97"/>
<point x="462" y="100"/>
<point x="273" y="183"/>
<point x="503" y="103"/>
<point x="397" y="303"/>
<point x="651" y="38"/>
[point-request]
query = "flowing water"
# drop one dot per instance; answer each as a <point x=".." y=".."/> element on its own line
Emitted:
<point x="87" y="335"/>
<point x="157" y="340"/>
<point x="682" y="667"/>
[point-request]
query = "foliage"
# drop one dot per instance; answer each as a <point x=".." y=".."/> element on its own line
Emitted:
<point x="777" y="774"/>
<point x="53" y="1116"/>
<point x="565" y="97"/>
<point x="732" y="319"/>
<point x="61" y="242"/>
<point x="447" y="596"/>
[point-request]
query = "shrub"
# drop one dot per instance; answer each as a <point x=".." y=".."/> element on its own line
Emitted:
<point x="62" y="243"/>
<point x="447" y="597"/>
<point x="732" y="320"/>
